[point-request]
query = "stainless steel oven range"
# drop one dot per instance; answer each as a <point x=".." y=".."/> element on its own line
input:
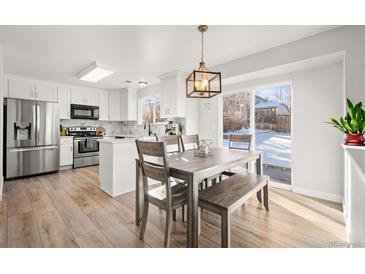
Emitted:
<point x="86" y="146"/>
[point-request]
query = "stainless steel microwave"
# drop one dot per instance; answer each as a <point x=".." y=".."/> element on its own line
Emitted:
<point x="84" y="112"/>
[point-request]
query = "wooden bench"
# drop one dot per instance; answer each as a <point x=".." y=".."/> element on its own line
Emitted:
<point x="225" y="197"/>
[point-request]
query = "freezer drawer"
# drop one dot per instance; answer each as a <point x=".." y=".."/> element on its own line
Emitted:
<point x="30" y="161"/>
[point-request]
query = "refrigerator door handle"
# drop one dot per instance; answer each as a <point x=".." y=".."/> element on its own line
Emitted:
<point x="32" y="149"/>
<point x="34" y="126"/>
<point x="38" y="123"/>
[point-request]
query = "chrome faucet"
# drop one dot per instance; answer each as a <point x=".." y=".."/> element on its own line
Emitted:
<point x="149" y="128"/>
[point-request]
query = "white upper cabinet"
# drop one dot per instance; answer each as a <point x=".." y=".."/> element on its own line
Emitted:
<point x="77" y="97"/>
<point x="21" y="89"/>
<point x="92" y="98"/>
<point x="123" y="105"/>
<point x="103" y="106"/>
<point x="114" y="105"/>
<point x="31" y="90"/>
<point x="173" y="98"/>
<point x="64" y="100"/>
<point x="128" y="104"/>
<point x="84" y="96"/>
<point x="45" y="92"/>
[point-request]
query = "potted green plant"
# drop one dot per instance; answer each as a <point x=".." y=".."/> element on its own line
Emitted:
<point x="353" y="124"/>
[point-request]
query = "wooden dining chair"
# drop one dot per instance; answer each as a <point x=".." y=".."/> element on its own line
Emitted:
<point x="241" y="139"/>
<point x="189" y="141"/>
<point x="170" y="195"/>
<point x="239" y="142"/>
<point x="172" y="143"/>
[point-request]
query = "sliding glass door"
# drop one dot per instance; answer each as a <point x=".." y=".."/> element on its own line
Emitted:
<point x="264" y="113"/>
<point x="236" y="114"/>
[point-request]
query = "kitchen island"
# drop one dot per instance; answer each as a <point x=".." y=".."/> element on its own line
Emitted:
<point x="117" y="170"/>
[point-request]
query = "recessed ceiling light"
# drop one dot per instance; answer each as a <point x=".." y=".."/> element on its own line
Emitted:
<point x="142" y="83"/>
<point x="128" y="81"/>
<point x="95" y="72"/>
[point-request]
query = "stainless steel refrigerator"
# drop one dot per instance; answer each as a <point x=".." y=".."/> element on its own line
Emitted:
<point x="31" y="137"/>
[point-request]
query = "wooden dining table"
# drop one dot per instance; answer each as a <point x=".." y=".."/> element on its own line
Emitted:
<point x="193" y="169"/>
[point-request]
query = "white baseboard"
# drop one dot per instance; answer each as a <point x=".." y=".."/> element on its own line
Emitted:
<point x="280" y="185"/>
<point x="318" y="194"/>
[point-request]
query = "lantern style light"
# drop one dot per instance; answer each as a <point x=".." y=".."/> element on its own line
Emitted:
<point x="203" y="83"/>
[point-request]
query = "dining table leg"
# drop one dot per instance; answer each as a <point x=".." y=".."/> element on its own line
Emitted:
<point x="193" y="212"/>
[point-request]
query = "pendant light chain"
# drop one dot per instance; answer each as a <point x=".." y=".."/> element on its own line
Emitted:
<point x="202" y="82"/>
<point x="202" y="58"/>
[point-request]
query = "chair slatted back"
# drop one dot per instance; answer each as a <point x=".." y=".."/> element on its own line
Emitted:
<point x="155" y="170"/>
<point x="240" y="139"/>
<point x="189" y="140"/>
<point x="171" y="141"/>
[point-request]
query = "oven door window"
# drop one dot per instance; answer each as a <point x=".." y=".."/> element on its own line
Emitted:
<point x="88" y="146"/>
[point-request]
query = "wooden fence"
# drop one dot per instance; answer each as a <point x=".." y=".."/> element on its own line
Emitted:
<point x="279" y="123"/>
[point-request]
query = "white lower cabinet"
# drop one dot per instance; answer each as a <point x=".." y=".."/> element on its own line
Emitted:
<point x="66" y="151"/>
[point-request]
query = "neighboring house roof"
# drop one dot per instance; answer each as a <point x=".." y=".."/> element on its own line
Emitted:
<point x="268" y="104"/>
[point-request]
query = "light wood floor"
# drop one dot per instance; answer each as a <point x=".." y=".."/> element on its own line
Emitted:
<point x="67" y="209"/>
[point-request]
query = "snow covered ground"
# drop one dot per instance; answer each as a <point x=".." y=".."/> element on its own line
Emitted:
<point x="274" y="145"/>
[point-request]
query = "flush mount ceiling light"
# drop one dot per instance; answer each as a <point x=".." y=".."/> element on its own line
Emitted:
<point x="203" y="83"/>
<point x="142" y="83"/>
<point x="95" y="72"/>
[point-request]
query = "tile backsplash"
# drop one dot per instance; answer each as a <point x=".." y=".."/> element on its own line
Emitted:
<point x="111" y="128"/>
<point x="133" y="128"/>
<point x="121" y="128"/>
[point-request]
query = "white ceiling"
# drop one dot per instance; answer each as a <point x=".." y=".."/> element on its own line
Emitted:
<point x="59" y="53"/>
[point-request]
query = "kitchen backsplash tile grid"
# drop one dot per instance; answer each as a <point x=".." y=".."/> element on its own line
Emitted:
<point x="133" y="128"/>
<point x="111" y="128"/>
<point x="122" y="128"/>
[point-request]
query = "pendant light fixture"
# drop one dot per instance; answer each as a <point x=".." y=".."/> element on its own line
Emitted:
<point x="203" y="83"/>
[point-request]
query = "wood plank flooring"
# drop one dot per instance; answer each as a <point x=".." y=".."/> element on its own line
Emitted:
<point x="67" y="209"/>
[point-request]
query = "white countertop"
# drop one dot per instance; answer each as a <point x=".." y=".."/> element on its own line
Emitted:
<point x="129" y="139"/>
<point x="353" y="147"/>
<point x="122" y="135"/>
<point x="117" y="141"/>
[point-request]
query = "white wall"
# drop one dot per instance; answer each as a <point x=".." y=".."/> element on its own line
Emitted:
<point x="317" y="154"/>
<point x="350" y="39"/>
<point x="1" y="123"/>
<point x="317" y="157"/>
<point x="210" y="117"/>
